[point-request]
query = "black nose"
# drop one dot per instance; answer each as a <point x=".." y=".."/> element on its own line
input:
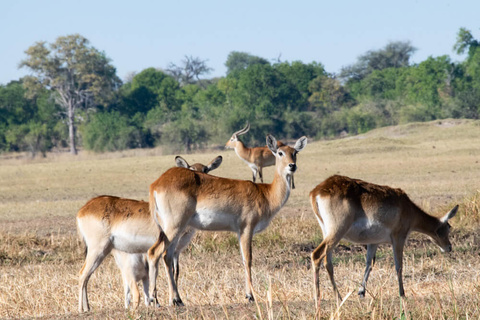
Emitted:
<point x="292" y="167"/>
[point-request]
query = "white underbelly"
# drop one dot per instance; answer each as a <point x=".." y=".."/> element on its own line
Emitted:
<point x="364" y="231"/>
<point x="206" y="219"/>
<point x="131" y="242"/>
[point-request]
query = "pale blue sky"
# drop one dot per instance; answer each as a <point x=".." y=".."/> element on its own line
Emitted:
<point x="141" y="34"/>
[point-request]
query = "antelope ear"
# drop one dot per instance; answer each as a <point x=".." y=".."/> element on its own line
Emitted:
<point x="272" y="143"/>
<point x="300" y="144"/>
<point x="449" y="215"/>
<point x="214" y="164"/>
<point x="182" y="163"/>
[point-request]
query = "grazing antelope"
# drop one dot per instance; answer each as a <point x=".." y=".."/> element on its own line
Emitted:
<point x="182" y="199"/>
<point x="124" y="227"/>
<point x="370" y="214"/>
<point x="256" y="158"/>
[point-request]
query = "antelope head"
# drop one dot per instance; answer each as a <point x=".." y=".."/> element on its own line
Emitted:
<point x="441" y="235"/>
<point x="287" y="155"/>
<point x="214" y="164"/>
<point x="232" y="143"/>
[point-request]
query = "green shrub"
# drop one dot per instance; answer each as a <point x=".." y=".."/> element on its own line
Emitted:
<point x="110" y="131"/>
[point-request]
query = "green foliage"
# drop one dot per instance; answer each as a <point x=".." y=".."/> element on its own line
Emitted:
<point x="360" y="120"/>
<point x="394" y="55"/>
<point x="188" y="129"/>
<point x="326" y="95"/>
<point x="111" y="131"/>
<point x="465" y="41"/>
<point x="428" y="82"/>
<point x="149" y="89"/>
<point x="79" y="74"/>
<point x="379" y="85"/>
<point x="416" y="113"/>
<point x="238" y="61"/>
<point x="298" y="77"/>
<point x="28" y="124"/>
<point x="180" y="111"/>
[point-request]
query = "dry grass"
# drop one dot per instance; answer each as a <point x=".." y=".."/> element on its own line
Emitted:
<point x="437" y="163"/>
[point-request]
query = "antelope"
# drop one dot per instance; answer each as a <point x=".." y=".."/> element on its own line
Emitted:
<point x="125" y="228"/>
<point x="182" y="199"/>
<point x="369" y="214"/>
<point x="256" y="158"/>
<point x="214" y="164"/>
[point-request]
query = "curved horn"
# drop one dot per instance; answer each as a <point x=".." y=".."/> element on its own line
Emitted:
<point x="243" y="131"/>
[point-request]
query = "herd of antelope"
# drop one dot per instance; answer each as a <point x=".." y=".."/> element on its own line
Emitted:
<point x="186" y="198"/>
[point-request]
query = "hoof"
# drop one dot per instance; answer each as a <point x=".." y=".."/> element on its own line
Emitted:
<point x="361" y="293"/>
<point x="178" y="302"/>
<point x="250" y="298"/>
<point x="153" y="303"/>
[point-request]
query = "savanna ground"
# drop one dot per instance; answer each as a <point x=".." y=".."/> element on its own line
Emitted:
<point x="436" y="163"/>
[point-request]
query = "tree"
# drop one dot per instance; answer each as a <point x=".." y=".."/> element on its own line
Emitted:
<point x="298" y="77"/>
<point x="79" y="75"/>
<point x="429" y="82"/>
<point x="28" y="123"/>
<point x="327" y="95"/>
<point x="188" y="129"/>
<point x="111" y="131"/>
<point x="189" y="71"/>
<point x="394" y="55"/>
<point x="149" y="89"/>
<point x="237" y="61"/>
<point x="468" y="93"/>
<point x="465" y="41"/>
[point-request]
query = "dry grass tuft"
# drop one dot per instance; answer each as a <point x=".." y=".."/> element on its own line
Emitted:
<point x="470" y="216"/>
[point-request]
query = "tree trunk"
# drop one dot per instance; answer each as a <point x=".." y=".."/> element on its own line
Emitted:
<point x="71" y="130"/>
<point x="187" y="145"/>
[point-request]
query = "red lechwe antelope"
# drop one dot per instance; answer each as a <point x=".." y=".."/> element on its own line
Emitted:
<point x="182" y="199"/>
<point x="214" y="164"/>
<point x="256" y="158"/>
<point x="124" y="227"/>
<point x="370" y="214"/>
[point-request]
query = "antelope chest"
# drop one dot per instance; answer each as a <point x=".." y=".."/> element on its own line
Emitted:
<point x="252" y="166"/>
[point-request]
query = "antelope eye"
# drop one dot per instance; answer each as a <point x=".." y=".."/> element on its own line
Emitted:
<point x="280" y="154"/>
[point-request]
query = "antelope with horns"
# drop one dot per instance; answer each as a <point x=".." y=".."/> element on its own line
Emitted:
<point x="182" y="199"/>
<point x="124" y="227"/>
<point x="256" y="158"/>
<point x="369" y="214"/>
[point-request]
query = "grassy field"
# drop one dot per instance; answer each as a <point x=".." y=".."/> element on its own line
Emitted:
<point x="436" y="163"/>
